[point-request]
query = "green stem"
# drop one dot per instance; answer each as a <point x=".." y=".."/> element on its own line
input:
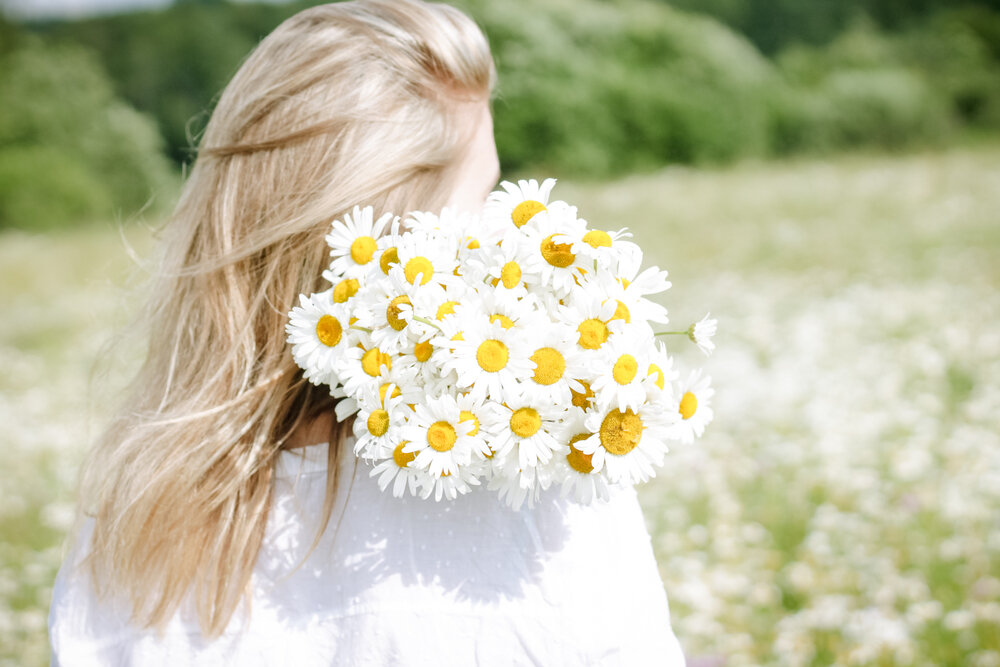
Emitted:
<point x="671" y="333"/>
<point x="357" y="328"/>
<point x="427" y="322"/>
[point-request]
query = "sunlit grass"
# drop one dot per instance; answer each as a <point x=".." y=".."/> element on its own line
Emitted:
<point x="841" y="509"/>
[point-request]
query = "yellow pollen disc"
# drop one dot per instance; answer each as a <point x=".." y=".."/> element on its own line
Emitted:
<point x="329" y="330"/>
<point x="492" y="355"/>
<point x="689" y="405"/>
<point x="465" y="416"/>
<point x="625" y="282"/>
<point x="384" y="389"/>
<point x="510" y="275"/>
<point x="593" y="333"/>
<point x="373" y="360"/>
<point x="577" y="460"/>
<point x="418" y="266"/>
<point x="557" y="254"/>
<point x="378" y="422"/>
<point x="621" y="313"/>
<point x="625" y="369"/>
<point x="345" y="289"/>
<point x="393" y="311"/>
<point x="582" y="400"/>
<point x="504" y="321"/>
<point x="446" y="308"/>
<point x="473" y="244"/>
<point x="423" y="350"/>
<point x="362" y="249"/>
<point x="352" y="321"/>
<point x="458" y="336"/>
<point x="402" y="458"/>
<point x="525" y="422"/>
<point x="621" y="432"/>
<point x="441" y="436"/>
<point x="525" y="211"/>
<point x="597" y="239"/>
<point x="388" y="258"/>
<point x="549" y="365"/>
<point x="660" y="380"/>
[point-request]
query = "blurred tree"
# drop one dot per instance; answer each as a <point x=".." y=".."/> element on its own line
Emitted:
<point x="70" y="149"/>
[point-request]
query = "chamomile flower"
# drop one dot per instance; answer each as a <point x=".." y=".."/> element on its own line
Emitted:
<point x="450" y="485"/>
<point x="607" y="249"/>
<point x="514" y="485"/>
<point x="660" y="375"/>
<point x="394" y="468"/>
<point x="353" y="241"/>
<point x="381" y="415"/>
<point x="557" y="363"/>
<point x="426" y="257"/>
<point x="439" y="436"/>
<point x="694" y="409"/>
<point x="320" y="336"/>
<point x="388" y="312"/>
<point x="518" y="204"/>
<point x="552" y="258"/>
<point x="503" y="266"/>
<point x="626" y="443"/>
<point x="363" y="366"/>
<point x="701" y="333"/>
<point x="592" y="317"/>
<point x="621" y="368"/>
<point x="575" y="471"/>
<point x="528" y="429"/>
<point x="487" y="358"/>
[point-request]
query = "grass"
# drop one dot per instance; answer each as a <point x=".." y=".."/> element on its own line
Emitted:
<point x="841" y="508"/>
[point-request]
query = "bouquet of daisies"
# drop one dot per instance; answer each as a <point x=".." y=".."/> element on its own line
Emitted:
<point x="515" y="349"/>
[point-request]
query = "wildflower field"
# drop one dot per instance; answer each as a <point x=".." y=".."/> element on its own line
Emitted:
<point x="843" y="508"/>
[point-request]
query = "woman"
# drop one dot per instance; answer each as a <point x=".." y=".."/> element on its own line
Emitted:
<point x="226" y="519"/>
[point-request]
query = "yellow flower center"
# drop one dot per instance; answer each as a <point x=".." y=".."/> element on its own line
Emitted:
<point x="378" y="422"/>
<point x="362" y="249"/>
<point x="549" y="365"/>
<point x="625" y="282"/>
<point x="510" y="275"/>
<point x="329" y="330"/>
<point x="441" y="436"/>
<point x="465" y="416"/>
<point x="373" y="360"/>
<point x="625" y="369"/>
<point x="492" y="355"/>
<point x="446" y="308"/>
<point x="556" y="254"/>
<point x="597" y="239"/>
<point x="593" y="333"/>
<point x="525" y="422"/>
<point x="388" y="258"/>
<point x="582" y="400"/>
<point x="621" y="313"/>
<point x="458" y="336"/>
<point x="689" y="405"/>
<point x="660" y="380"/>
<point x="504" y="321"/>
<point x="402" y="458"/>
<point x="423" y="350"/>
<point x="384" y="389"/>
<point x="621" y="432"/>
<point x="345" y="289"/>
<point x="418" y="266"/>
<point x="473" y="244"/>
<point x="393" y="311"/>
<point x="577" y="460"/>
<point x="525" y="211"/>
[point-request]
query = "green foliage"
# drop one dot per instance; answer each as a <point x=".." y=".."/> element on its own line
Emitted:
<point x="69" y="149"/>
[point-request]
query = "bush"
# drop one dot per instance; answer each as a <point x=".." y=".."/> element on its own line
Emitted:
<point x="69" y="149"/>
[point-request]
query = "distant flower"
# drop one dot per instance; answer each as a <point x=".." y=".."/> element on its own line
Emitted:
<point x="701" y="334"/>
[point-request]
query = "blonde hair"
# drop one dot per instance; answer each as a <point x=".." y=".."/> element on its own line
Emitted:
<point x="343" y="104"/>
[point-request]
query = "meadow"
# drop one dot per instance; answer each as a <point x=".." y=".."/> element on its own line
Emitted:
<point x="843" y="508"/>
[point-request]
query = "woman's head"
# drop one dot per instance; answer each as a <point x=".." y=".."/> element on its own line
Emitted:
<point x="380" y="102"/>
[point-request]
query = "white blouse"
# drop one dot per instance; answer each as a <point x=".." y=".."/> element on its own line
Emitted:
<point x="404" y="581"/>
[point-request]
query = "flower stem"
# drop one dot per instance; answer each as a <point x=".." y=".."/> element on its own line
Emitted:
<point x="427" y="322"/>
<point x="357" y="328"/>
<point x="671" y="333"/>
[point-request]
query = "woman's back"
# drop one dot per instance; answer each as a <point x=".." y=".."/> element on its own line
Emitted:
<point x="404" y="581"/>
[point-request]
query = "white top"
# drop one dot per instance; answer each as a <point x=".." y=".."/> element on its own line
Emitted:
<point x="408" y="582"/>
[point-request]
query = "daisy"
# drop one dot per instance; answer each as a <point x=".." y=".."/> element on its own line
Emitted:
<point x="382" y="414"/>
<point x="631" y="289"/>
<point x="693" y="407"/>
<point x="551" y="255"/>
<point x="320" y="336"/>
<point x="528" y="429"/>
<point x="487" y="358"/>
<point x="394" y="468"/>
<point x="557" y="365"/>
<point x="592" y="317"/>
<point x="576" y="473"/>
<point x="353" y="241"/>
<point x="518" y="204"/>
<point x="607" y="249"/>
<point x="387" y="310"/>
<point x="439" y="437"/>
<point x="450" y="485"/>
<point x="621" y="368"/>
<point x="626" y="443"/>
<point x="513" y="485"/>
<point x="701" y="333"/>
<point x="365" y="365"/>
<point x="426" y="257"/>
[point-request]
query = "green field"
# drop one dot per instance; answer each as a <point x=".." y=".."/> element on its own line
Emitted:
<point x="842" y="509"/>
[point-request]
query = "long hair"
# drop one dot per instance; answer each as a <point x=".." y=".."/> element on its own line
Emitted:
<point x="343" y="104"/>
